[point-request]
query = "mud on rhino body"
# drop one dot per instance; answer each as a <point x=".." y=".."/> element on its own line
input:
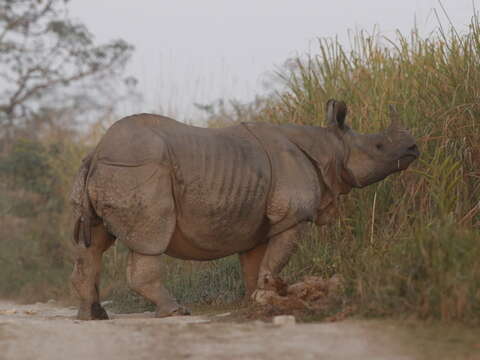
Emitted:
<point x="162" y="187"/>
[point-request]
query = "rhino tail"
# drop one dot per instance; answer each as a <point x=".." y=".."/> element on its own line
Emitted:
<point x="82" y="231"/>
<point x="87" y="216"/>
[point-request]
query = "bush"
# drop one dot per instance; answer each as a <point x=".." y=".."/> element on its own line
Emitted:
<point x="35" y="218"/>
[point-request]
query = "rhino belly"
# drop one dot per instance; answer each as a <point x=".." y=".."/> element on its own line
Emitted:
<point x="183" y="247"/>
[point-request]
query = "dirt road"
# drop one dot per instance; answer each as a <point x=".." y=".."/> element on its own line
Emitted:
<point x="47" y="331"/>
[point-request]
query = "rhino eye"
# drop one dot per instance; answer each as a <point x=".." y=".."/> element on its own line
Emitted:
<point x="379" y="146"/>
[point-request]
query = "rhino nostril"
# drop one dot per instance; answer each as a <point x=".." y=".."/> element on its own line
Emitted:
<point x="413" y="150"/>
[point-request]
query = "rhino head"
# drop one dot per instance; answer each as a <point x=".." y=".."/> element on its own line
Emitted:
<point x="371" y="157"/>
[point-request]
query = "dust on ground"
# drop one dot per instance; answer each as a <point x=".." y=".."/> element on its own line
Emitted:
<point x="50" y="331"/>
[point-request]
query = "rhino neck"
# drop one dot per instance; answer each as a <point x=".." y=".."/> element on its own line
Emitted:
<point x="327" y="152"/>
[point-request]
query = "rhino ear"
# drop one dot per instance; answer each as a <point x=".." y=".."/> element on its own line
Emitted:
<point x="336" y="113"/>
<point x="395" y="123"/>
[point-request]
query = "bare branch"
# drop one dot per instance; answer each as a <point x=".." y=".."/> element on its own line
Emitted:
<point x="42" y="51"/>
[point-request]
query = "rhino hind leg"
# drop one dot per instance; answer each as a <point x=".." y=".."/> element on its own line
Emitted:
<point x="279" y="250"/>
<point x="250" y="262"/>
<point x="86" y="274"/>
<point x="144" y="277"/>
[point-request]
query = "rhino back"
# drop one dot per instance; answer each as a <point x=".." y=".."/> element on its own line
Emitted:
<point x="220" y="180"/>
<point x="136" y="140"/>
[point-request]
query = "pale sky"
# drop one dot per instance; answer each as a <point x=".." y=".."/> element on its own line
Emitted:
<point x="200" y="50"/>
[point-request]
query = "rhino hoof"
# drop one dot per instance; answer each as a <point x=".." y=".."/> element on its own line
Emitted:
<point x="94" y="312"/>
<point x="179" y="311"/>
<point x="98" y="312"/>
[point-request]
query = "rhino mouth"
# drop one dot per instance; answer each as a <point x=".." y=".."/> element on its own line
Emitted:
<point x="405" y="161"/>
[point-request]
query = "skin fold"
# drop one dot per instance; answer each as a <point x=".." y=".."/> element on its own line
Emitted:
<point x="163" y="187"/>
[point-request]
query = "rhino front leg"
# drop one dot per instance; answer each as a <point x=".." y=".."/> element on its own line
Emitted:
<point x="144" y="277"/>
<point x="250" y="261"/>
<point x="279" y="250"/>
<point x="86" y="274"/>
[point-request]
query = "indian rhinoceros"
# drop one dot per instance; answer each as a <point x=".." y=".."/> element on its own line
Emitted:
<point x="163" y="187"/>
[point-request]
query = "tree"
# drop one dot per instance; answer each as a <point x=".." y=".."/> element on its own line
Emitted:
<point x="43" y="51"/>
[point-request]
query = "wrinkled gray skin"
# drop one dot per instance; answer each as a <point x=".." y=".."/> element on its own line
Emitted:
<point x="162" y="187"/>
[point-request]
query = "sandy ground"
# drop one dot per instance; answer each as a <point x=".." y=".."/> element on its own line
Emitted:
<point x="48" y="331"/>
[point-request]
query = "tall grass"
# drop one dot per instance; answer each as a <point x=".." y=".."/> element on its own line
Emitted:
<point x="411" y="243"/>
